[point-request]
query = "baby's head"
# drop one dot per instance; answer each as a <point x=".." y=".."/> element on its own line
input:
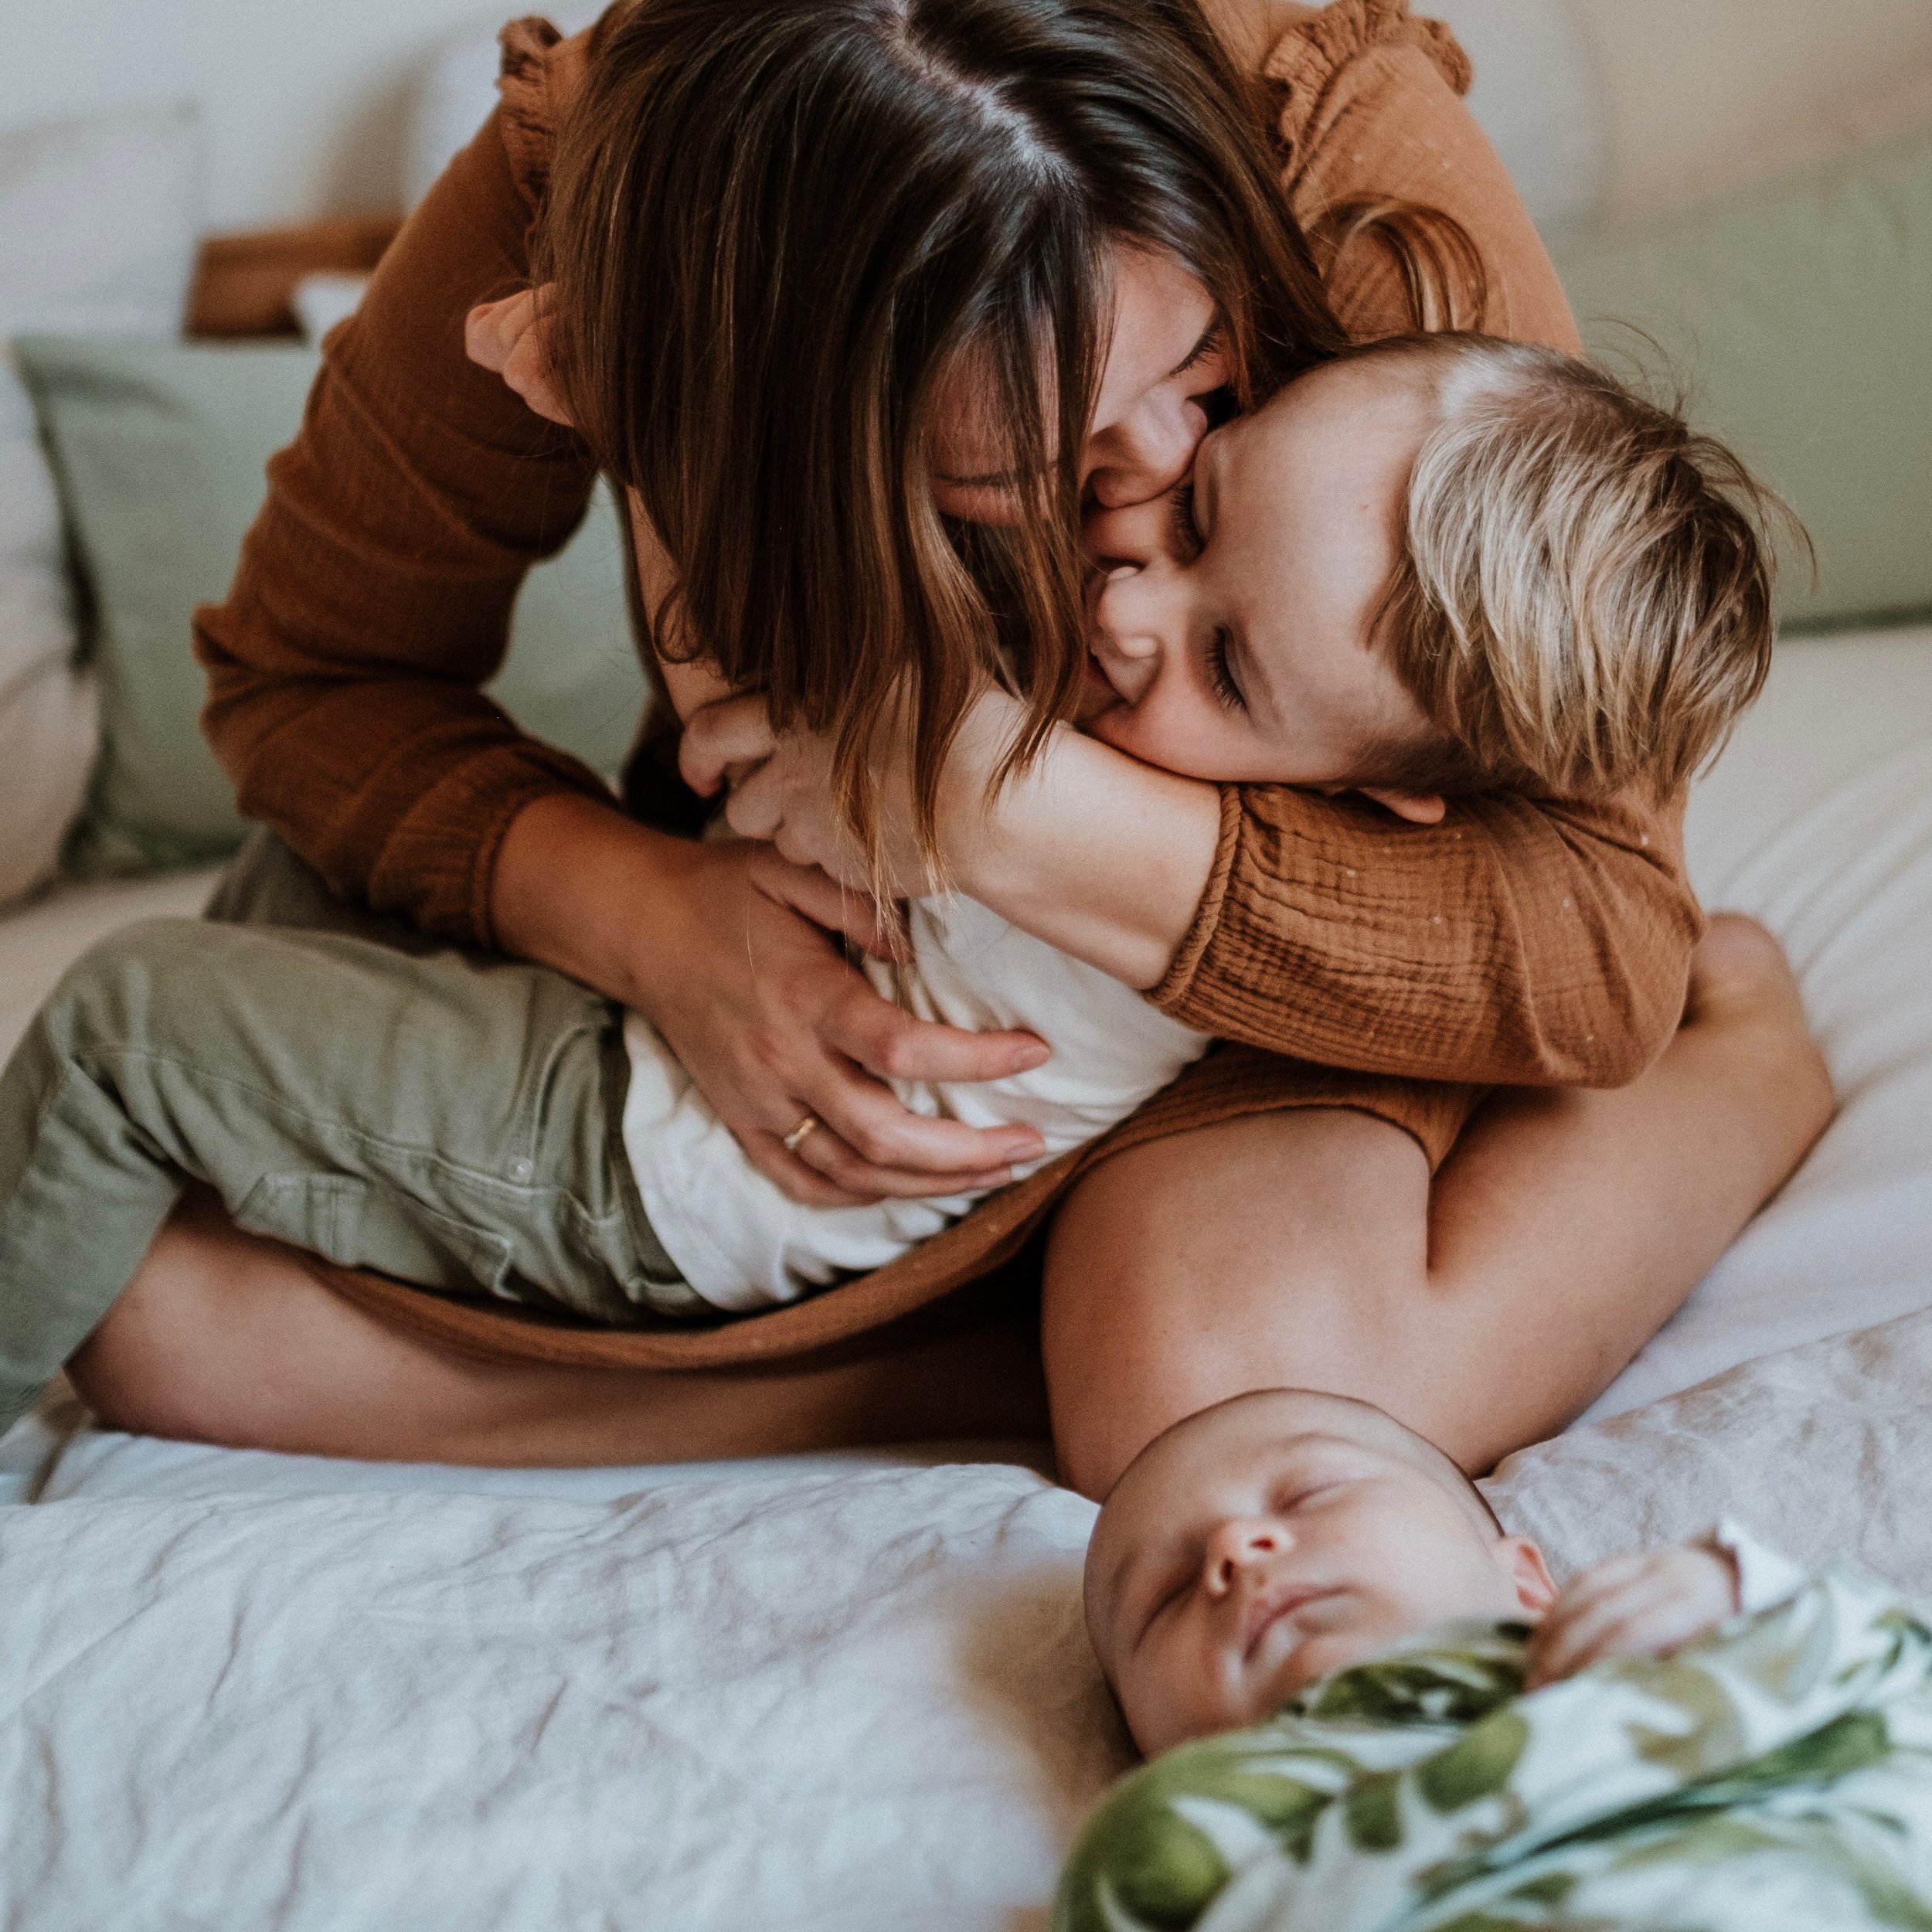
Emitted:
<point x="1443" y="564"/>
<point x="1266" y="1542"/>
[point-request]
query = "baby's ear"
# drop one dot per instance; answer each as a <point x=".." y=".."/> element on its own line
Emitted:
<point x="1535" y="1588"/>
<point x="1418" y="807"/>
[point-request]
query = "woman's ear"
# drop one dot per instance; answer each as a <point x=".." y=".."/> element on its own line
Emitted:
<point x="1418" y="807"/>
<point x="1535" y="1588"/>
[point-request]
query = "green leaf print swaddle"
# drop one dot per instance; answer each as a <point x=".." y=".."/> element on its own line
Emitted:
<point x="1775" y="1776"/>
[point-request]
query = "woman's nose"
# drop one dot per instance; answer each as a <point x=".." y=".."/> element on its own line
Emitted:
<point x="1147" y="452"/>
<point x="1237" y="1545"/>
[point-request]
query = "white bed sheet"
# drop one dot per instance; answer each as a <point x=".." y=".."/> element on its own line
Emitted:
<point x="845" y="1701"/>
<point x="853" y="1691"/>
<point x="1817" y="820"/>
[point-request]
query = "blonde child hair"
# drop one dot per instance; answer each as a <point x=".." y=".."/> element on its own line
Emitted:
<point x="1583" y="600"/>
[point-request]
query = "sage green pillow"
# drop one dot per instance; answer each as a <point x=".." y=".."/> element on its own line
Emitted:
<point x="1800" y="311"/>
<point x="159" y="449"/>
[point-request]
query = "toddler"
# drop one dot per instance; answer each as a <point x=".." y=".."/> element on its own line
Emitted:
<point x="1437" y="565"/>
<point x="1401" y="1723"/>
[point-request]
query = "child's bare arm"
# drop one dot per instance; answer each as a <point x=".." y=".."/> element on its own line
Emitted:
<point x="1519" y="943"/>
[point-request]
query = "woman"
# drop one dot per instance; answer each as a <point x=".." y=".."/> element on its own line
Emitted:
<point x="732" y="188"/>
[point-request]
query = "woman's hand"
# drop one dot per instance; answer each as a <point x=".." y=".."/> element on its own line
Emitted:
<point x="1647" y="1605"/>
<point x="512" y="337"/>
<point x="728" y="950"/>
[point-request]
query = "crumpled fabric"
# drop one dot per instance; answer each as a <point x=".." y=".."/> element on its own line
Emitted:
<point x="852" y="1702"/>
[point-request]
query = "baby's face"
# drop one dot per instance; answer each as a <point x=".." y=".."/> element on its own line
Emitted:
<point x="1266" y="1542"/>
<point x="1229" y="632"/>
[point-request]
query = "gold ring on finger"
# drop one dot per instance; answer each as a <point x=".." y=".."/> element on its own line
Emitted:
<point x="800" y="1134"/>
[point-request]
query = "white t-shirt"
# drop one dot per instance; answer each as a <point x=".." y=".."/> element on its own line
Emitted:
<point x="742" y="1244"/>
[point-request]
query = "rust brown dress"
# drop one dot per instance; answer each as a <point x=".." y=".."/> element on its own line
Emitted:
<point x="1347" y="961"/>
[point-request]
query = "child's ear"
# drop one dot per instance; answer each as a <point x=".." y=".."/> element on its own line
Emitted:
<point x="1418" y="807"/>
<point x="1535" y="1588"/>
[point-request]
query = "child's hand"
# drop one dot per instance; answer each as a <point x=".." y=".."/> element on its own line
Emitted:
<point x="1645" y="1605"/>
<point x="512" y="337"/>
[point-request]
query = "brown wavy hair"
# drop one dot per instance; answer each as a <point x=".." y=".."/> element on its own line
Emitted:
<point x="775" y="225"/>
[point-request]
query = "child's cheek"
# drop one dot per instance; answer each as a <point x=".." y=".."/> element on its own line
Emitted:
<point x="1116" y="726"/>
<point x="1152" y="732"/>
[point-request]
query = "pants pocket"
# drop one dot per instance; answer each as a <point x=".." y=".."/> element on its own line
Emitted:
<point x="357" y="1224"/>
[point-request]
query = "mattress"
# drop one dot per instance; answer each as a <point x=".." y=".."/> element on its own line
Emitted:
<point x="852" y="1690"/>
<point x="1817" y="820"/>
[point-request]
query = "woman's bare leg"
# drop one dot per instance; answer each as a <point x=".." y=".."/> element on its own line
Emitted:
<point x="226" y="1337"/>
<point x="1310" y="1250"/>
<point x="1302" y="1248"/>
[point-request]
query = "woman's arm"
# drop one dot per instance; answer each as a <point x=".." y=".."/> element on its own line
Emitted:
<point x="374" y="593"/>
<point x="1519" y="942"/>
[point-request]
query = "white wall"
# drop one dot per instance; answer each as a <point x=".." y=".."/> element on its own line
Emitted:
<point x="1704" y="93"/>
<point x="307" y="99"/>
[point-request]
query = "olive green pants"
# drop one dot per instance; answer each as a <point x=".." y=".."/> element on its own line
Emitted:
<point x="347" y="1086"/>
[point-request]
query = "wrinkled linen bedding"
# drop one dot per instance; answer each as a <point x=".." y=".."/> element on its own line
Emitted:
<point x="853" y="1691"/>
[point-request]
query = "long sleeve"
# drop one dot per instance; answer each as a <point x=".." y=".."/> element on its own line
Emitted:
<point x="373" y="597"/>
<point x="1371" y="112"/>
<point x="1519" y="943"/>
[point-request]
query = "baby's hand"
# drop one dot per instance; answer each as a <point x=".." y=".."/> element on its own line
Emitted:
<point x="512" y="337"/>
<point x="1645" y="1605"/>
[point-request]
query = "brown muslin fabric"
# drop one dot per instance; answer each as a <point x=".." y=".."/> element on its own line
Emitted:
<point x="1350" y="961"/>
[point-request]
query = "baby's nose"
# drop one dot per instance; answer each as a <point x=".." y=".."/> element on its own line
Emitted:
<point x="1133" y="533"/>
<point x="1121" y="617"/>
<point x="1240" y="1543"/>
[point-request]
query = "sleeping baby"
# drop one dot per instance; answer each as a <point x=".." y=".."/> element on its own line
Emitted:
<point x="1399" y="1721"/>
<point x="1561" y="590"/>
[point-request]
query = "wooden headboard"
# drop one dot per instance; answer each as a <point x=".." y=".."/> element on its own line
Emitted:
<point x="244" y="284"/>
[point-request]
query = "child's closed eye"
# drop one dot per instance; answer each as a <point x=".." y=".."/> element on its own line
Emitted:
<point x="1220" y="672"/>
<point x="1186" y="531"/>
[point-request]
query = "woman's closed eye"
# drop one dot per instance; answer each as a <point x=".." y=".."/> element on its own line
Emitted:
<point x="1208" y="345"/>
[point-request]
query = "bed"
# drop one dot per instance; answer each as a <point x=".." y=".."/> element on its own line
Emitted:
<point x="839" y="1691"/>
<point x="852" y="1690"/>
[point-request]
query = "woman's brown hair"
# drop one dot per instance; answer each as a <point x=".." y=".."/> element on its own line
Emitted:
<point x="774" y="226"/>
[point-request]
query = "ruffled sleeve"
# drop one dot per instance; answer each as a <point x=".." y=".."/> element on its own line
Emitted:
<point x="1313" y="59"/>
<point x="528" y="118"/>
<point x="540" y="74"/>
<point x="1370" y="111"/>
